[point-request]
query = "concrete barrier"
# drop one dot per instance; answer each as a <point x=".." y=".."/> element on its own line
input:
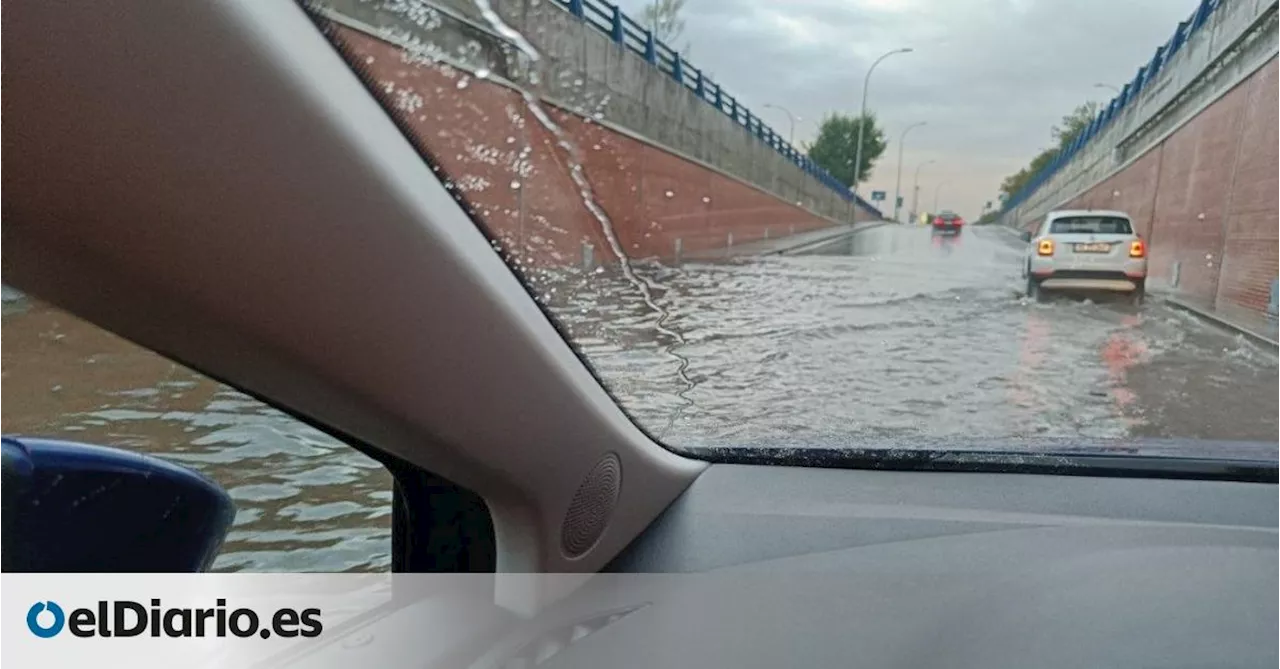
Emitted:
<point x="605" y="156"/>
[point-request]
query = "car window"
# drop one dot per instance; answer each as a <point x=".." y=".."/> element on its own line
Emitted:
<point x="304" y="501"/>
<point x="1098" y="225"/>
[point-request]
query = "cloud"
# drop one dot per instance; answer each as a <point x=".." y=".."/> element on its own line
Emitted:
<point x="989" y="77"/>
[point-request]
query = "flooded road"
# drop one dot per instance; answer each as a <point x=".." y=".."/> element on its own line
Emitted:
<point x="899" y="334"/>
<point x="304" y="501"/>
<point x="893" y="334"/>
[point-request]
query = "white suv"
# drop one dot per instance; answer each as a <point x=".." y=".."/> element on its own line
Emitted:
<point x="1086" y="250"/>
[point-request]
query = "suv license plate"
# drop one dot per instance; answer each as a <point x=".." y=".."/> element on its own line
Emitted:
<point x="1093" y="248"/>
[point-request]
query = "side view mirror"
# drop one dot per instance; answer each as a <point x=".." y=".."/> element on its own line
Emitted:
<point x="71" y="507"/>
<point x="1026" y="235"/>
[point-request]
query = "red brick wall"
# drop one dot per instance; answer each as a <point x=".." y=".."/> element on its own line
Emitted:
<point x="1249" y="251"/>
<point x="515" y="174"/>
<point x="1206" y="198"/>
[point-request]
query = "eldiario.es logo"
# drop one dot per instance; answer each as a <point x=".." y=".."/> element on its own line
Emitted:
<point x="126" y="618"/>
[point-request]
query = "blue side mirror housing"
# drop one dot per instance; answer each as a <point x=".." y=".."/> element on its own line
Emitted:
<point x="71" y="507"/>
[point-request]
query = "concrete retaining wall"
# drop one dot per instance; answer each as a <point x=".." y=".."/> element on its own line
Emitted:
<point x="671" y="174"/>
<point x="1194" y="161"/>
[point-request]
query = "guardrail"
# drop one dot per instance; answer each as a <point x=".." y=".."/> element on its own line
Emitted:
<point x="632" y="36"/>
<point x="1144" y="81"/>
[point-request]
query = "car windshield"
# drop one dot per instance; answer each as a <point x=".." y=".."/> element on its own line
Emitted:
<point x="745" y="260"/>
<point x="741" y="273"/>
<point x="1095" y="225"/>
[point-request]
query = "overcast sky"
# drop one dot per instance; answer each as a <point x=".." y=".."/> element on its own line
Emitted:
<point x="989" y="77"/>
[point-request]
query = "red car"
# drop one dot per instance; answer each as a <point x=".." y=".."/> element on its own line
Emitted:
<point x="947" y="223"/>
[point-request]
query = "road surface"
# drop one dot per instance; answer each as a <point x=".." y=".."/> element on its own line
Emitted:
<point x="890" y="335"/>
<point x="896" y="333"/>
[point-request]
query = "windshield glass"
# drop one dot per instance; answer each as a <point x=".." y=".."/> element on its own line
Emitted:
<point x="1094" y="225"/>
<point x="700" y="233"/>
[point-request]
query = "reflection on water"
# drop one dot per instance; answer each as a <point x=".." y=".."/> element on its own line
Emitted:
<point x="890" y="334"/>
<point x="304" y="501"/>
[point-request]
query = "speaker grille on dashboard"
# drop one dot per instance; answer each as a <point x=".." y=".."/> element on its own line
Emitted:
<point x="591" y="507"/>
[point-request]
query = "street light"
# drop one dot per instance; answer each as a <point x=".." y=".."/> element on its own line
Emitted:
<point x="936" y="190"/>
<point x="915" y="189"/>
<point x="897" y="185"/>
<point x="1108" y="87"/>
<point x="791" y="136"/>
<point x="857" y="161"/>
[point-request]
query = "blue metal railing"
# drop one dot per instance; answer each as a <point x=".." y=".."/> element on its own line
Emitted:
<point x="610" y="20"/>
<point x="1146" y="74"/>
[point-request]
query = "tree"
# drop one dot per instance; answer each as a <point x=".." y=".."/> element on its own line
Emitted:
<point x="1015" y="182"/>
<point x="1073" y="124"/>
<point x="663" y="18"/>
<point x="835" y="148"/>
<point x="1063" y="134"/>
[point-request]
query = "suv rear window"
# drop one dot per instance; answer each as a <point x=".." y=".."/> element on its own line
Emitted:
<point x="948" y="216"/>
<point x="1097" y="225"/>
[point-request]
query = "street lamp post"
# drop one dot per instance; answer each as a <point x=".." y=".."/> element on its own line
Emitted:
<point x="862" y="116"/>
<point x="791" y="136"/>
<point x="1108" y="87"/>
<point x="936" y="191"/>
<point x="897" y="185"/>
<point x="915" y="190"/>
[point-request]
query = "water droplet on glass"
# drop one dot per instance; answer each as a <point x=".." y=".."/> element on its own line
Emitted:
<point x="511" y="140"/>
<point x="577" y="82"/>
<point x="462" y="83"/>
<point x="596" y="147"/>
<point x="515" y="185"/>
<point x="706" y="200"/>
<point x="482" y="73"/>
<point x="599" y="270"/>
<point x="670" y="194"/>
<point x="369" y="59"/>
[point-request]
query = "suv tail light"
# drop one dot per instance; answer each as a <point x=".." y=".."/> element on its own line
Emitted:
<point x="1046" y="247"/>
<point x="1137" y="249"/>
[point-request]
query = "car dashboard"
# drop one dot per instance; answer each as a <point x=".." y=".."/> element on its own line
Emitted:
<point x="820" y="568"/>
<point x="767" y="566"/>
